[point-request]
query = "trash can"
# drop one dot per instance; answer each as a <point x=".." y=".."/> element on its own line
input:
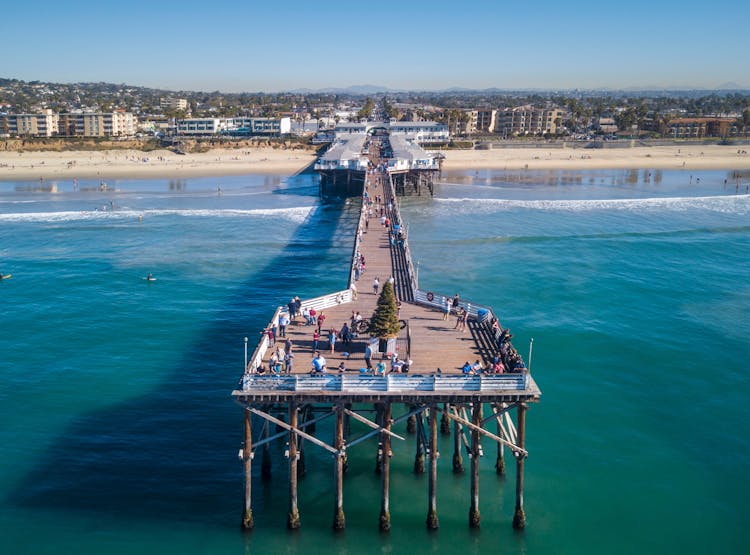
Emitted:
<point x="482" y="315"/>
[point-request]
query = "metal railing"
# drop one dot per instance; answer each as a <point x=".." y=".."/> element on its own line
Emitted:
<point x="407" y="251"/>
<point x="391" y="383"/>
<point x="422" y="297"/>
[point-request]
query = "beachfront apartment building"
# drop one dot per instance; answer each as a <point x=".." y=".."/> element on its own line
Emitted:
<point x="97" y="124"/>
<point x="528" y="120"/>
<point x="44" y="124"/>
<point x="486" y="119"/>
<point x="695" y="128"/>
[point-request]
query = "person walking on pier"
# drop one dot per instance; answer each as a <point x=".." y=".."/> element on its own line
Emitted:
<point x="321" y="319"/>
<point x="375" y="285"/>
<point x="288" y="360"/>
<point x="316" y="340"/>
<point x="368" y="357"/>
<point x="283" y="323"/>
<point x="332" y="334"/>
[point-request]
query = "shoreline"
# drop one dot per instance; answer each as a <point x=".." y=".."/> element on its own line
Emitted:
<point x="690" y="157"/>
<point x="133" y="164"/>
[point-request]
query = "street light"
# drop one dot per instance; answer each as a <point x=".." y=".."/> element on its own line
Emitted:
<point x="245" y="368"/>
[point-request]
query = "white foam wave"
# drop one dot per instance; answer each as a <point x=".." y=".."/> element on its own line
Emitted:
<point x="735" y="204"/>
<point x="297" y="214"/>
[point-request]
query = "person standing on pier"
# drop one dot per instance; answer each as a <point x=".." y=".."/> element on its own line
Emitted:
<point x="283" y="323"/>
<point x="288" y="361"/>
<point x="332" y="334"/>
<point x="446" y="309"/>
<point x="316" y="340"/>
<point x="321" y="319"/>
<point x="375" y="285"/>
<point x="368" y="357"/>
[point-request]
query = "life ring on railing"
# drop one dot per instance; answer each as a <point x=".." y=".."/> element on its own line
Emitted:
<point x="430" y="296"/>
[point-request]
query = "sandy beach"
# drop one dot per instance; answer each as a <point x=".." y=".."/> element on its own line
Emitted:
<point x="162" y="163"/>
<point x="691" y="157"/>
<point x="110" y="164"/>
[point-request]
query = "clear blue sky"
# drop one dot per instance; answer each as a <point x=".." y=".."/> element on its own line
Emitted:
<point x="409" y="44"/>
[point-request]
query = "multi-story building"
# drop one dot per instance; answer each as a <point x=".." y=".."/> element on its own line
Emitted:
<point x="200" y="126"/>
<point x="44" y="124"/>
<point x="422" y="132"/>
<point x="486" y="120"/>
<point x="527" y="120"/>
<point x="171" y="103"/>
<point x="98" y="124"/>
<point x="274" y="127"/>
<point x="686" y="128"/>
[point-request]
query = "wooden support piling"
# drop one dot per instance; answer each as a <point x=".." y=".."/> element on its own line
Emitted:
<point x="474" y="517"/>
<point x="500" y="461"/>
<point x="458" y="463"/>
<point x="419" y="456"/>
<point x="411" y="422"/>
<point x="432" y="518"/>
<point x="385" y="470"/>
<point x="445" y="424"/>
<point x="519" y="518"/>
<point x="339" y="521"/>
<point x="379" y="455"/>
<point x="293" y="521"/>
<point x="247" y="456"/>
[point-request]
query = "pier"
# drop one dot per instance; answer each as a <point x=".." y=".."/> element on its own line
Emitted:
<point x="420" y="377"/>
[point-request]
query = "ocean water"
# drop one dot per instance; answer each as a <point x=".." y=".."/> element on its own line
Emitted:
<point x="118" y="434"/>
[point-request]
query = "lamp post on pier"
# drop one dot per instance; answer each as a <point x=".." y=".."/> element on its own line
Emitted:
<point x="245" y="367"/>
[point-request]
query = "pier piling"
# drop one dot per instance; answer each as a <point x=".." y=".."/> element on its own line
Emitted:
<point x="500" y="461"/>
<point x="474" y="517"/>
<point x="432" y="518"/>
<point x="339" y="521"/>
<point x="385" y="470"/>
<point x="458" y="463"/>
<point x="247" y="456"/>
<point x="293" y="521"/>
<point x="519" y="518"/>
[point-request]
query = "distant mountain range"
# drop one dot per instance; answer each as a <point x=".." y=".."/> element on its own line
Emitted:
<point x="370" y="89"/>
<point x="648" y="90"/>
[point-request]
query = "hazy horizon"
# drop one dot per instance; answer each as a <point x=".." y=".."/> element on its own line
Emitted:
<point x="422" y="46"/>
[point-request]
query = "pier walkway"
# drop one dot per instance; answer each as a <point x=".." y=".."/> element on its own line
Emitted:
<point x="435" y="387"/>
<point x="430" y="341"/>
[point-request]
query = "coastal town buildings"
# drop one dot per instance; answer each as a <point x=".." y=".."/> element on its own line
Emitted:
<point x="171" y="103"/>
<point x="688" y="128"/>
<point x="486" y="119"/>
<point x="74" y="124"/>
<point x="528" y="120"/>
<point x="44" y="124"/>
<point x="97" y="124"/>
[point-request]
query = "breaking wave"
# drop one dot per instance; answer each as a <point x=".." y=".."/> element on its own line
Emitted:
<point x="735" y="204"/>
<point x="296" y="214"/>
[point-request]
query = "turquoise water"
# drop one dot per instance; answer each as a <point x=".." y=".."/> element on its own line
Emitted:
<point x="117" y="433"/>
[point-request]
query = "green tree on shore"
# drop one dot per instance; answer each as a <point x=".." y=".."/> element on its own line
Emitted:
<point x="384" y="322"/>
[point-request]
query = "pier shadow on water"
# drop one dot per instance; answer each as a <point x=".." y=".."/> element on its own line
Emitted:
<point x="172" y="454"/>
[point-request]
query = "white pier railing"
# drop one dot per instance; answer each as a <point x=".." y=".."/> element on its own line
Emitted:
<point x="391" y="383"/>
